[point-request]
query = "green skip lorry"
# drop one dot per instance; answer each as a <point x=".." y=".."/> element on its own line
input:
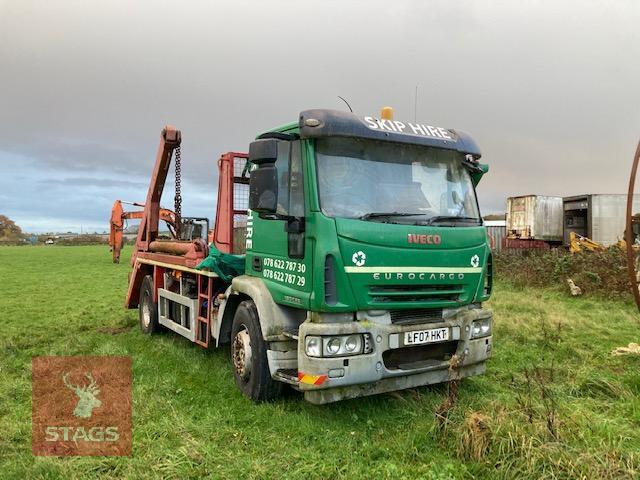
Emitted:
<point x="364" y="265"/>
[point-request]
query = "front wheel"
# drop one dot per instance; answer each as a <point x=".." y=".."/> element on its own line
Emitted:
<point x="249" y="356"/>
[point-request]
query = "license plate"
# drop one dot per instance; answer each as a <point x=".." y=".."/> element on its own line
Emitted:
<point x="419" y="337"/>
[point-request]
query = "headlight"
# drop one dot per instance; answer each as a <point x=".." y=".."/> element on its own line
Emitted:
<point x="481" y="328"/>
<point x="352" y="343"/>
<point x="338" y="346"/>
<point x="313" y="346"/>
<point x="333" y="345"/>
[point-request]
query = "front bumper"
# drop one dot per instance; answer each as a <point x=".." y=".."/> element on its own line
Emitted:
<point x="368" y="374"/>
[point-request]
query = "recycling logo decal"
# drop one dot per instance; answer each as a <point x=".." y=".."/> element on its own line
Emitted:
<point x="475" y="261"/>
<point x="359" y="258"/>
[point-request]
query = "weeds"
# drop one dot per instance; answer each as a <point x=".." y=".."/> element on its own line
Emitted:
<point x="596" y="273"/>
<point x="444" y="409"/>
<point x="475" y="437"/>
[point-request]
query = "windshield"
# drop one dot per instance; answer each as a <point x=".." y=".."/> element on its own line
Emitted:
<point x="397" y="183"/>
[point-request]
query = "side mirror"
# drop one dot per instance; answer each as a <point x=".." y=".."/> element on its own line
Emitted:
<point x="263" y="189"/>
<point x="476" y="176"/>
<point x="263" y="151"/>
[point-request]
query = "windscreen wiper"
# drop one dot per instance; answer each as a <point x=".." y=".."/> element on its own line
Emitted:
<point x="451" y="218"/>
<point x="369" y="216"/>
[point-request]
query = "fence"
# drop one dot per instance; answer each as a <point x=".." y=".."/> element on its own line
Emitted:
<point x="496" y="231"/>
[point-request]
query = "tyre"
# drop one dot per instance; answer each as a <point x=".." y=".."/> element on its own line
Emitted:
<point x="147" y="308"/>
<point x="249" y="356"/>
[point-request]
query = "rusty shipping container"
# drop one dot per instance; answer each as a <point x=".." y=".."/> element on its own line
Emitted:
<point x="535" y="217"/>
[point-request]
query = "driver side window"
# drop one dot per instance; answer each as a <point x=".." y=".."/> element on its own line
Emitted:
<point x="290" y="179"/>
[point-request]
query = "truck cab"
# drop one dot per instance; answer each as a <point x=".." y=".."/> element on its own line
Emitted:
<point x="366" y="257"/>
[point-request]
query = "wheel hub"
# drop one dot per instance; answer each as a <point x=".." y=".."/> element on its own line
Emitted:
<point x="146" y="313"/>
<point x="241" y="351"/>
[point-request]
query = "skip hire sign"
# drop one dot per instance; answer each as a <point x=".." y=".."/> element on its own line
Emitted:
<point x="418" y="129"/>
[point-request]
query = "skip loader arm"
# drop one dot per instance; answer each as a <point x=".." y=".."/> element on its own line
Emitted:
<point x="170" y="139"/>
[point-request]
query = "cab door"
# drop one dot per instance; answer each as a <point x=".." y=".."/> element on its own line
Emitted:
<point x="278" y="251"/>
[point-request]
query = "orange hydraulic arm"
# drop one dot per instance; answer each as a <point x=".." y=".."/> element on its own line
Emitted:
<point x="118" y="217"/>
<point x="170" y="139"/>
<point x="148" y="247"/>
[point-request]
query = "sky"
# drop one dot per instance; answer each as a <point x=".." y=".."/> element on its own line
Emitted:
<point x="550" y="90"/>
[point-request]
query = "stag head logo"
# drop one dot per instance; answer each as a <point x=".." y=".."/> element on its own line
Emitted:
<point x="87" y="396"/>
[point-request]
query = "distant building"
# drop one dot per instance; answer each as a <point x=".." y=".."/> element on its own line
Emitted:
<point x="496" y="231"/>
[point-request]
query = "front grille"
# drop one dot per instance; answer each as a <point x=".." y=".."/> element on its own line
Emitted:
<point x="419" y="315"/>
<point x="415" y="293"/>
<point x="410" y="358"/>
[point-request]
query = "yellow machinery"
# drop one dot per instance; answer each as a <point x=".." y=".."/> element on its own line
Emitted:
<point x="578" y="243"/>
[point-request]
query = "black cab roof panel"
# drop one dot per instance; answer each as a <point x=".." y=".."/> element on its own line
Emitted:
<point x="320" y="123"/>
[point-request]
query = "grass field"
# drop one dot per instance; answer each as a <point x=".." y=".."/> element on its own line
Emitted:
<point x="553" y="404"/>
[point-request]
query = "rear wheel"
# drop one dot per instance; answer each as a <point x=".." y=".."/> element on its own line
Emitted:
<point x="147" y="308"/>
<point x="249" y="356"/>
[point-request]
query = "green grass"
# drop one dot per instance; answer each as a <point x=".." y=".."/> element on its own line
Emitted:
<point x="553" y="404"/>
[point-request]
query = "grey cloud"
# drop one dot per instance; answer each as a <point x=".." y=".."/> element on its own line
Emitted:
<point x="73" y="155"/>
<point x="94" y="182"/>
<point x="549" y="90"/>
